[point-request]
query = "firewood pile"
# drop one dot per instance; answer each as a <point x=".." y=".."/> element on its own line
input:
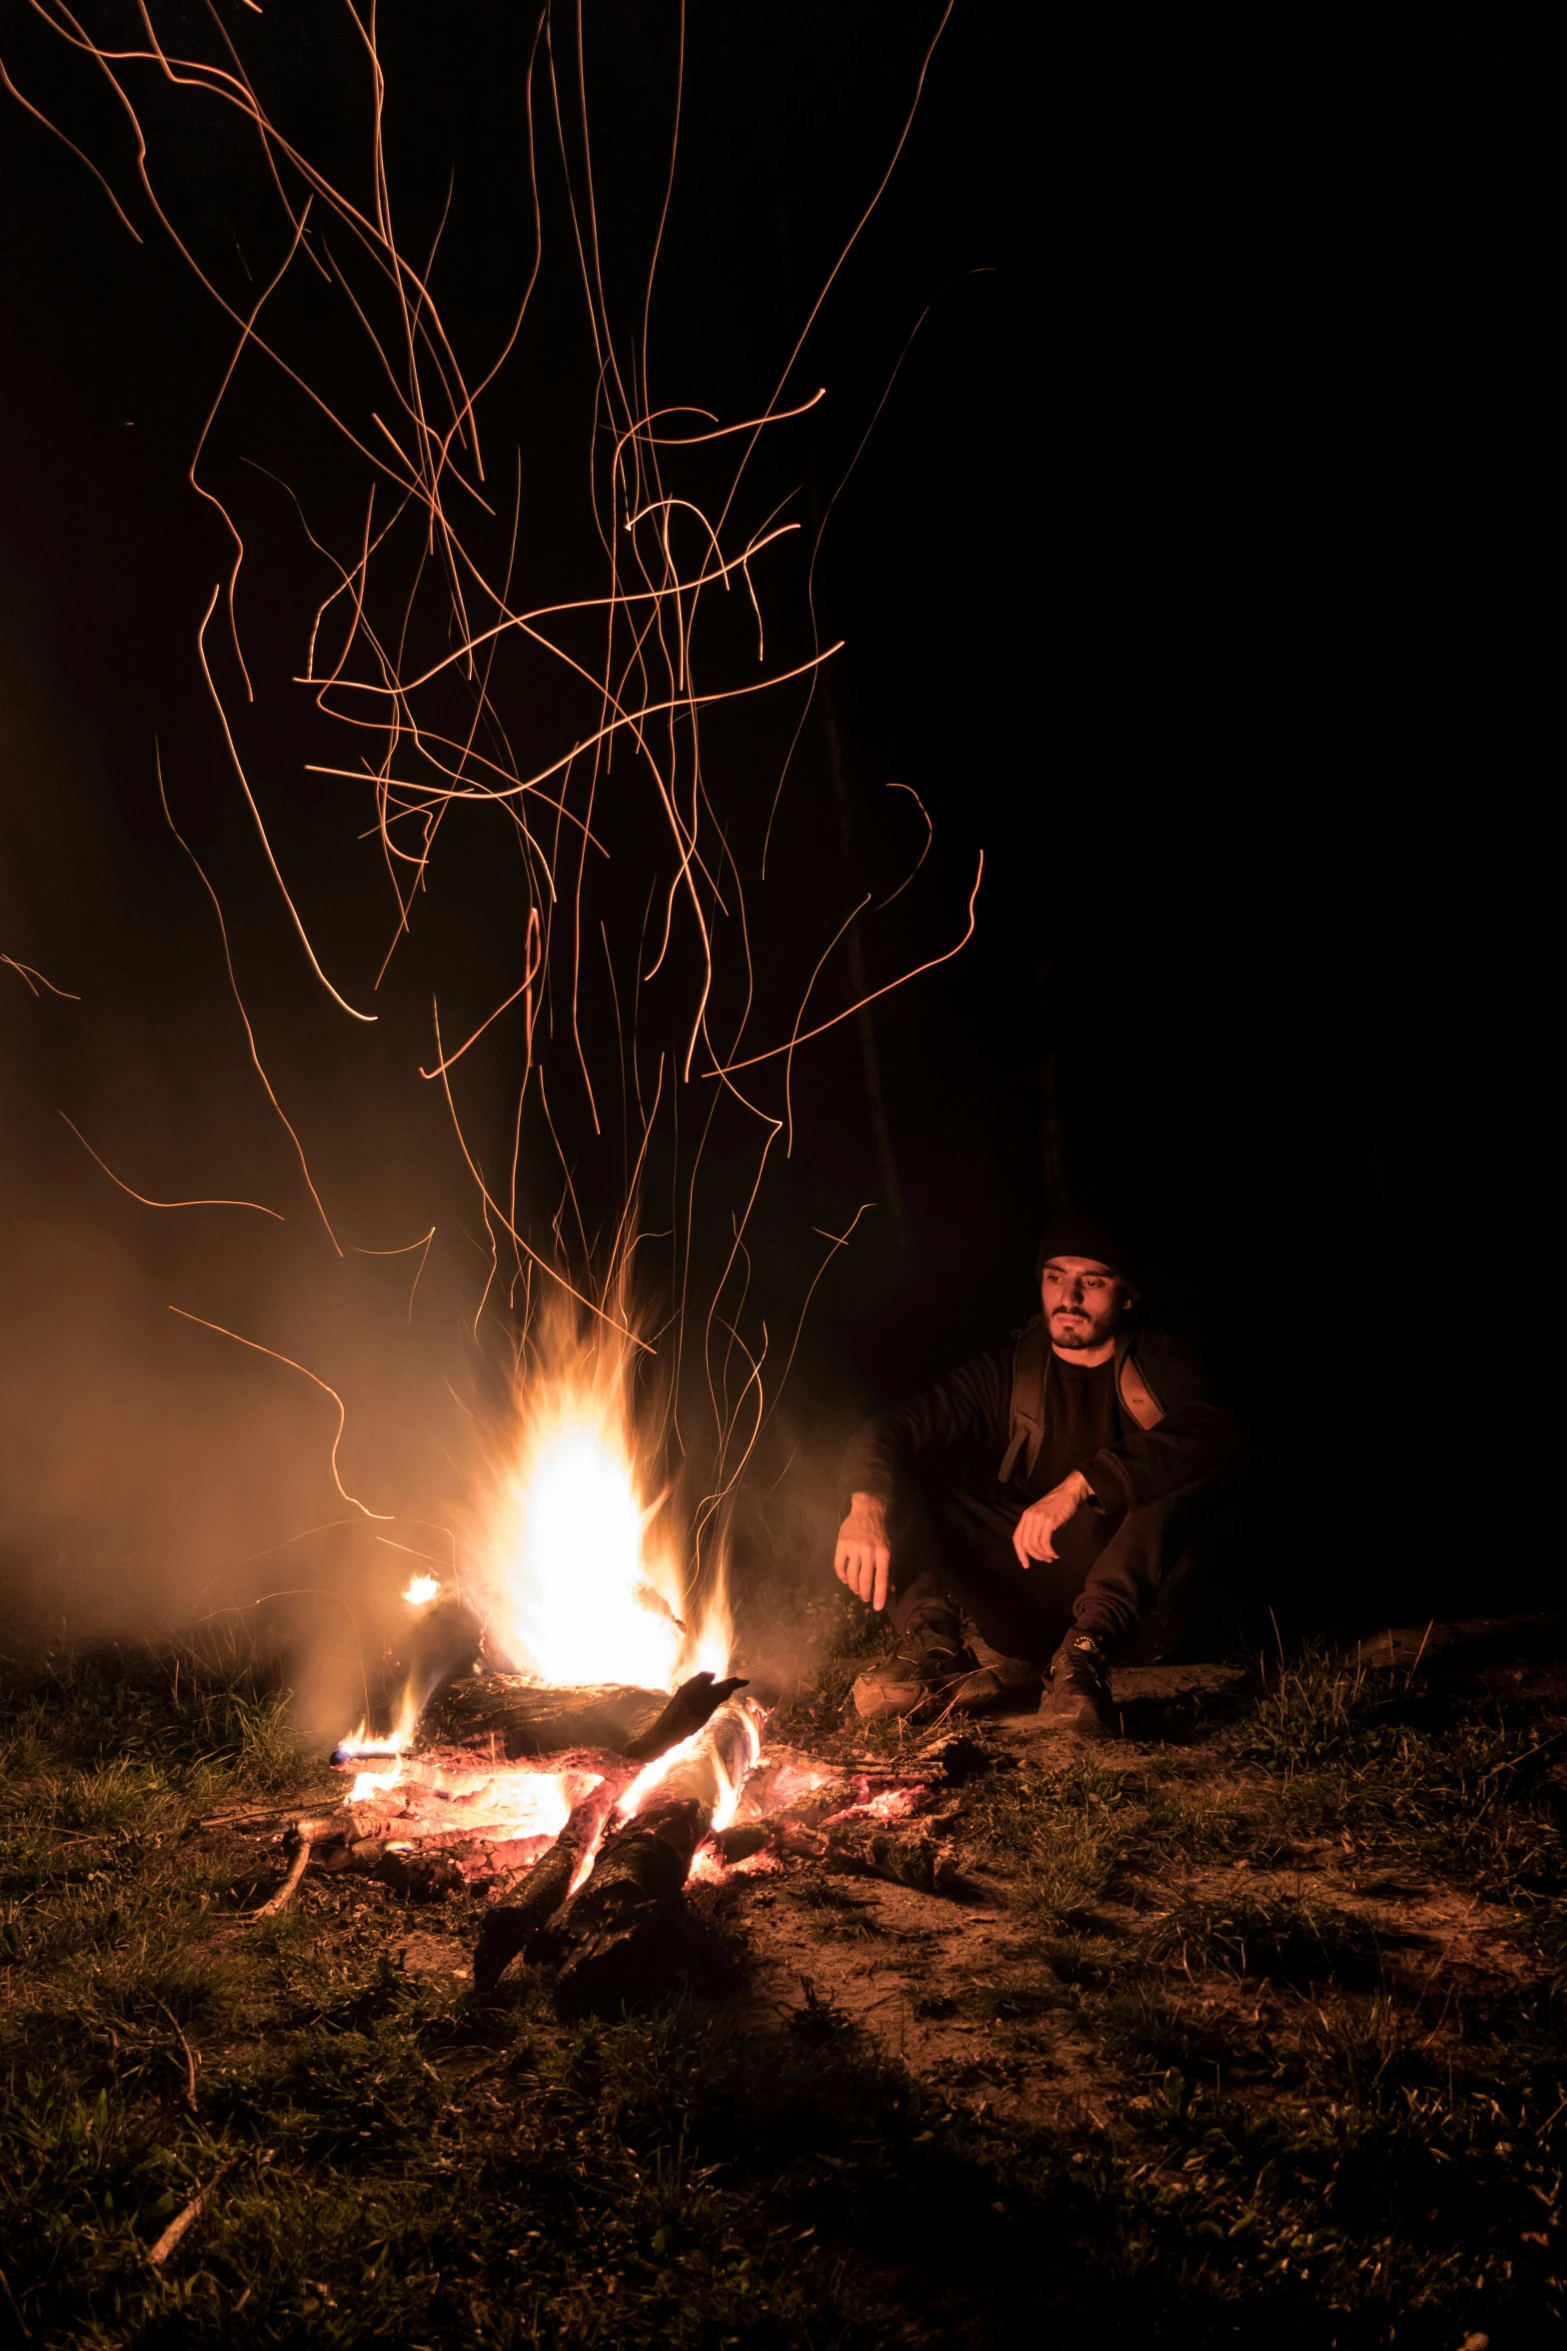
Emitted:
<point x="620" y="1937"/>
<point x="582" y="1815"/>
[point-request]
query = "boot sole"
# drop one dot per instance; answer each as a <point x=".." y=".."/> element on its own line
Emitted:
<point x="1077" y="1722"/>
<point x="983" y="1693"/>
<point x="879" y="1701"/>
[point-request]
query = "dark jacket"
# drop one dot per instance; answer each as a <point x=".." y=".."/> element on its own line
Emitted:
<point x="992" y="1416"/>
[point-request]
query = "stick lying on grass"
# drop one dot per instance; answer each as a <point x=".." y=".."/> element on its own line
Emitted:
<point x="306" y="1832"/>
<point x="224" y="1820"/>
<point x="182" y="2220"/>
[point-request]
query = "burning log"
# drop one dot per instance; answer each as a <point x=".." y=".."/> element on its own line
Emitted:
<point x="525" y="1719"/>
<point x="693" y="1704"/>
<point x="511" y="1928"/>
<point x="620" y="1938"/>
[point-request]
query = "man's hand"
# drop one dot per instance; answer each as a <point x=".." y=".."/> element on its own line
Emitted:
<point x="863" y="1559"/>
<point x="1034" y="1535"/>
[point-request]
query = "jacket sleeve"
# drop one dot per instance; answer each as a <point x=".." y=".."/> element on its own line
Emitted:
<point x="1190" y="1447"/>
<point x="972" y="1408"/>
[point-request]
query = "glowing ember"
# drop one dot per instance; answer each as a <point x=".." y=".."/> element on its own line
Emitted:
<point x="890" y="1805"/>
<point x="422" y="1591"/>
<point x="481" y="1821"/>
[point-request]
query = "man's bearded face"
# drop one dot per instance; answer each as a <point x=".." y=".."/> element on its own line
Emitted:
<point x="1083" y="1302"/>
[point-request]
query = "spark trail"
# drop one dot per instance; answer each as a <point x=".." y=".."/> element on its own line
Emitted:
<point x="577" y="725"/>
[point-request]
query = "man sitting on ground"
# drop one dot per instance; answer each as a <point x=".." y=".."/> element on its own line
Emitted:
<point x="1046" y="1491"/>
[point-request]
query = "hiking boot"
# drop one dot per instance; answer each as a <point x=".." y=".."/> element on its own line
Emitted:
<point x="926" y="1668"/>
<point x="999" y="1684"/>
<point x="1077" y="1698"/>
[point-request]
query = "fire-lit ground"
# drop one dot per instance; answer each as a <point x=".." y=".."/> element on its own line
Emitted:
<point x="1248" y="2023"/>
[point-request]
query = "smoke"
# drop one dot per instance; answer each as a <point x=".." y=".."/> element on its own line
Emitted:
<point x="157" y="1474"/>
<point x="261" y="1406"/>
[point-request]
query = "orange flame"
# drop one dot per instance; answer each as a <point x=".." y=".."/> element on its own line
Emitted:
<point x="578" y="1570"/>
<point x="579" y="1562"/>
<point x="719" y="1757"/>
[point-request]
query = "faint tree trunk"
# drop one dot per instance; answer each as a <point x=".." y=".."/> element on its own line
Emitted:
<point x="870" y="1062"/>
<point x="1052" y="1134"/>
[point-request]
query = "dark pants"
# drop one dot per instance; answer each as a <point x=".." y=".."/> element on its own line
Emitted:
<point x="1123" y="1578"/>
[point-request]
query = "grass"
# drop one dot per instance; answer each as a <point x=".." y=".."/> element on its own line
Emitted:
<point x="394" y="2165"/>
<point x="1061" y="1837"/>
<point x="1274" y="1935"/>
<point x="1291" y="2119"/>
<point x="1407" y="1779"/>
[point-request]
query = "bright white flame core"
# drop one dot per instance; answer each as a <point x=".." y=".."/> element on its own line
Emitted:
<point x="575" y="1565"/>
<point x="422" y="1590"/>
<point x="731" y="1784"/>
<point x="728" y="1765"/>
<point x="577" y="1561"/>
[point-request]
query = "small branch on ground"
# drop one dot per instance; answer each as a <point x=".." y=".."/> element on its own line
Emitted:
<point x="306" y="1832"/>
<point x="182" y="2220"/>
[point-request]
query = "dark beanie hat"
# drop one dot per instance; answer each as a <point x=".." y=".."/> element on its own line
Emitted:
<point x="1080" y="1233"/>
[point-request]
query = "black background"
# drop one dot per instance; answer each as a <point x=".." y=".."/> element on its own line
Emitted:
<point x="1199" y="569"/>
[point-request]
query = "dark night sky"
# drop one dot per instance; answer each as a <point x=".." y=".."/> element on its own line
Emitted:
<point x="1200" y="569"/>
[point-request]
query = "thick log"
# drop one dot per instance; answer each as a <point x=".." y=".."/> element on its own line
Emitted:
<point x="1466" y="1640"/>
<point x="513" y="1928"/>
<point x="522" y="1718"/>
<point x="621" y="1938"/>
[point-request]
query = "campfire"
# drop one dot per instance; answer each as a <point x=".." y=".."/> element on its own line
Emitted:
<point x="568" y="1730"/>
<point x="570" y="1742"/>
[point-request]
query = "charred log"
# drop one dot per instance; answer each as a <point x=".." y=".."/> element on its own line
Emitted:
<point x="620" y="1940"/>
<point x="904" y="1857"/>
<point x="517" y="1928"/>
<point x="914" y="1856"/>
<point x="513" y="1928"/>
<point x="523" y="1719"/>
<point x="743" y="1840"/>
<point x="422" y="1877"/>
<point x="693" y="1704"/>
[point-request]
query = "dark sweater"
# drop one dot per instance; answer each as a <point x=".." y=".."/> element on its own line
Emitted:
<point x="965" y="1422"/>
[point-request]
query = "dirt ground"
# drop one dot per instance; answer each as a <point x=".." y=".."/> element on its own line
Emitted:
<point x="967" y="1992"/>
<point x="1247" y="2024"/>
